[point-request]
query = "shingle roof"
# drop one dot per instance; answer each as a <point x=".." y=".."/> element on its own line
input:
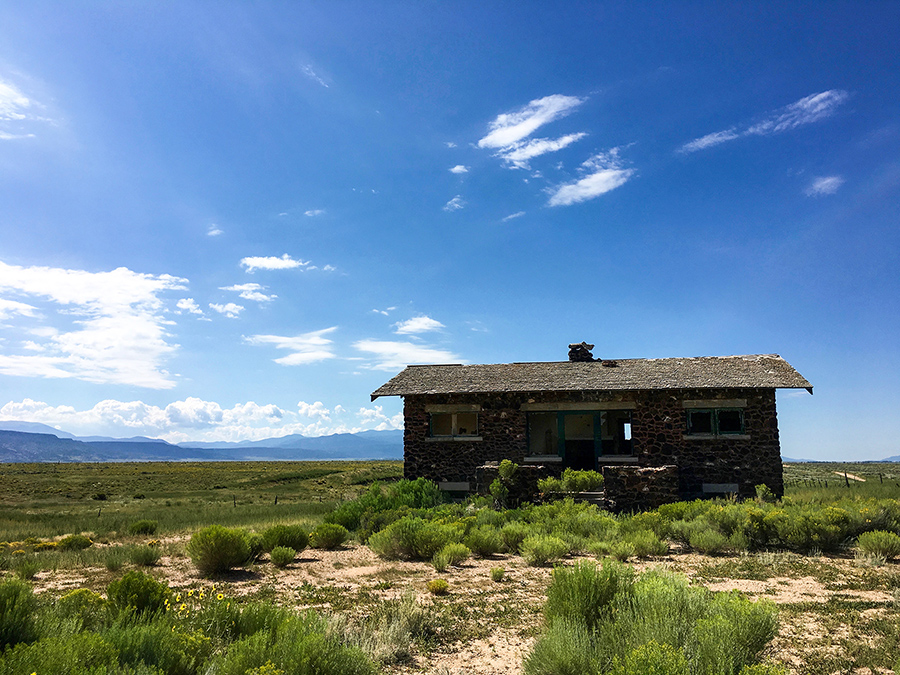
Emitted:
<point x="755" y="370"/>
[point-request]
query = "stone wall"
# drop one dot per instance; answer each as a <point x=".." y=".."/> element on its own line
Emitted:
<point x="633" y="488"/>
<point x="658" y="436"/>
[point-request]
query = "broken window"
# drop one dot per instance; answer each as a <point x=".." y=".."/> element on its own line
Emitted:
<point x="715" y="422"/>
<point x="453" y="424"/>
<point x="580" y="437"/>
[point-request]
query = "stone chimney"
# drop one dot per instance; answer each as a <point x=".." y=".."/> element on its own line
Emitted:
<point x="580" y="352"/>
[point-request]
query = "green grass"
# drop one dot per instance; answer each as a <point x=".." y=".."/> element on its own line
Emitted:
<point x="49" y="500"/>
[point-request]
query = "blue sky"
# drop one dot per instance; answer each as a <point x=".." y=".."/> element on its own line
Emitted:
<point x="222" y="221"/>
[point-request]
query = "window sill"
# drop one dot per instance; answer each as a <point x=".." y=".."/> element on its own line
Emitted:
<point x="716" y="437"/>
<point x="617" y="459"/>
<point x="543" y="459"/>
<point x="451" y="439"/>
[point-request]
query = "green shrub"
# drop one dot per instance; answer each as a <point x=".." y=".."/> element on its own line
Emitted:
<point x="216" y="549"/>
<point x="572" y="480"/>
<point x="499" y="491"/>
<point x="413" y="539"/>
<point x="512" y="535"/>
<point x="80" y="654"/>
<point x="540" y="550"/>
<point x="584" y="592"/>
<point x="497" y="574"/>
<point x="17" y="605"/>
<point x="282" y="556"/>
<point x="880" y="543"/>
<point x="507" y="470"/>
<point x="566" y="648"/>
<point x="438" y="587"/>
<point x="647" y="520"/>
<point x="451" y="554"/>
<point x="328" y="536"/>
<point x="161" y="646"/>
<point x="86" y="608"/>
<point x="708" y="541"/>
<point x="145" y="556"/>
<point x="74" y="542"/>
<point x="622" y="550"/>
<point x="143" y="527"/>
<point x="298" y="644"/>
<point x="483" y="541"/>
<point x="645" y="544"/>
<point x="26" y="568"/>
<point x="138" y="592"/>
<point x="765" y="495"/>
<point x="292" y="536"/>
<point x="114" y="558"/>
<point x="413" y="494"/>
<point x="652" y="658"/>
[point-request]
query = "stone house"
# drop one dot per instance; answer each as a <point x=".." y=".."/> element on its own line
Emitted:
<point x="702" y="426"/>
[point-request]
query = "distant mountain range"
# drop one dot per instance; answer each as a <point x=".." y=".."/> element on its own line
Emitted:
<point x="34" y="442"/>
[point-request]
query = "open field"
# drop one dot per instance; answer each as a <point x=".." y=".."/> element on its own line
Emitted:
<point x="839" y="611"/>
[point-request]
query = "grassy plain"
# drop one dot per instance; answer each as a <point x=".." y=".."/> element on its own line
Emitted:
<point x="839" y="612"/>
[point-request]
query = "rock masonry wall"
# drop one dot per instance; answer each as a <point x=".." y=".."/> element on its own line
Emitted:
<point x="658" y="435"/>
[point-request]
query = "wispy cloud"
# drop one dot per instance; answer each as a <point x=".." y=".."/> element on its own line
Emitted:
<point x="250" y="291"/>
<point x="459" y="168"/>
<point x="512" y="216"/>
<point x="396" y="355"/>
<point x="807" y="110"/>
<point x="418" y="324"/>
<point x="311" y="74"/>
<point x="10" y="307"/>
<point x="384" y="312"/>
<point x="188" y="305"/>
<point x="229" y="309"/>
<point x="312" y="213"/>
<point x="16" y="113"/>
<point x="285" y="262"/>
<point x="604" y="173"/>
<point x="305" y="348"/>
<point x="455" y="204"/>
<point x="450" y="144"/>
<point x="213" y="230"/>
<point x="119" y="335"/>
<point x="510" y="128"/>
<point x="824" y="185"/>
<point x="518" y="155"/>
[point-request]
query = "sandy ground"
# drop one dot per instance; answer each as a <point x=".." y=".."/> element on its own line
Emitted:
<point x="355" y="569"/>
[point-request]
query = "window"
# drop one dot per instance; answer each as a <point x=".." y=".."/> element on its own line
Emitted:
<point x="452" y="425"/>
<point x="715" y="422"/>
<point x="580" y="437"/>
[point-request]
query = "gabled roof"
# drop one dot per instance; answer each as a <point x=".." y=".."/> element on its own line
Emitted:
<point x="768" y="371"/>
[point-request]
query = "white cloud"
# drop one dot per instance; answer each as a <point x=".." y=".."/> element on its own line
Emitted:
<point x="384" y="312"/>
<point x="450" y="144"/>
<point x="455" y="204"/>
<point x="314" y="410"/>
<point x="305" y="348"/>
<point x="510" y="128"/>
<point x="229" y="309"/>
<point x="710" y="140"/>
<point x="375" y="415"/>
<point x="312" y="213"/>
<point x="807" y="110"/>
<point x="250" y="291"/>
<point x="17" y="113"/>
<point x="118" y="335"/>
<point x="188" y="305"/>
<point x="14" y="104"/>
<point x="311" y="74"/>
<point x="419" y="324"/>
<point x="518" y="155"/>
<point x="513" y="216"/>
<point x="605" y="174"/>
<point x="213" y="231"/>
<point x="824" y="185"/>
<point x="10" y="307"/>
<point x="396" y="355"/>
<point x="193" y="419"/>
<point x="459" y="168"/>
<point x="285" y="262"/>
